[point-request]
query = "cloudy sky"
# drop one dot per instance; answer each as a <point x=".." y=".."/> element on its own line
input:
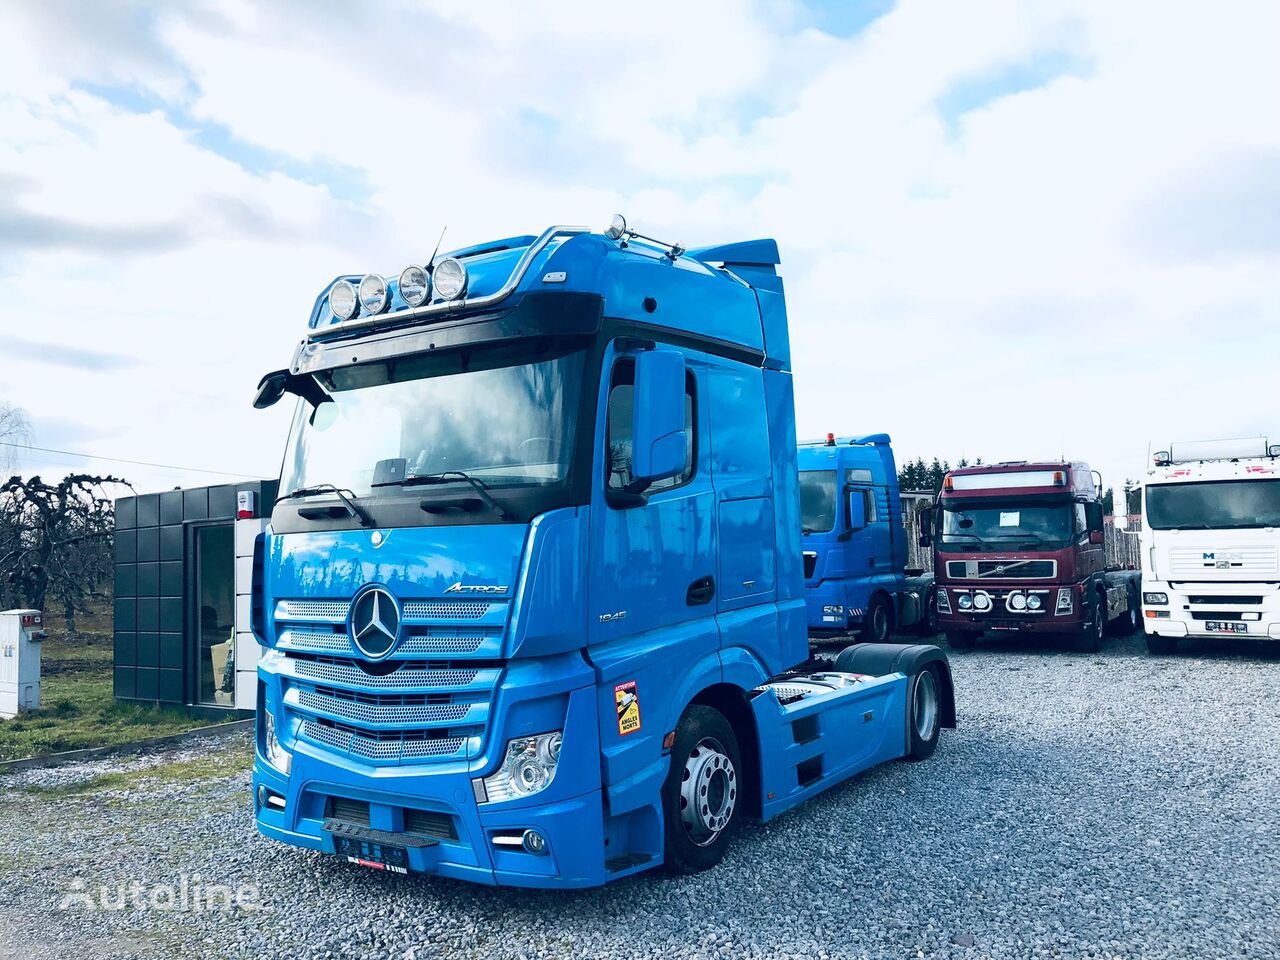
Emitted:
<point x="1009" y="229"/>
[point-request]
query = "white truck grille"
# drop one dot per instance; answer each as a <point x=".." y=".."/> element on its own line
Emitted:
<point x="1234" y="563"/>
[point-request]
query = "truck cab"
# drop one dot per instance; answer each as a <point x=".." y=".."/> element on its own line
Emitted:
<point x="1019" y="548"/>
<point x="1211" y="542"/>
<point x="532" y="594"/>
<point x="855" y="550"/>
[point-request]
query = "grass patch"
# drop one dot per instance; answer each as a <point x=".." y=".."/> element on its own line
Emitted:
<point x="78" y="708"/>
<point x="223" y="763"/>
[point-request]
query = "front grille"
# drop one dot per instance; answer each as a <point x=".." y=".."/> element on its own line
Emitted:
<point x="348" y="811"/>
<point x="1206" y="599"/>
<point x="810" y="563"/>
<point x="1241" y="563"/>
<point x="382" y="746"/>
<point x="335" y="611"/>
<point x="428" y="823"/>
<point x="409" y="674"/>
<point x="370" y="708"/>
<point x="1002" y="569"/>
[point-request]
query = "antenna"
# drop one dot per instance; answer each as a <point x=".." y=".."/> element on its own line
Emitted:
<point x="432" y="262"/>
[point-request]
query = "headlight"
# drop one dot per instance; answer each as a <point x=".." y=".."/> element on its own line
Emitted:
<point x="529" y="768"/>
<point x="1065" y="603"/>
<point x="373" y="294"/>
<point x="450" y="278"/>
<point x="1018" y="602"/>
<point x="342" y="300"/>
<point x="277" y="756"/>
<point x="981" y="602"/>
<point x="415" y="286"/>
<point x="1033" y="602"/>
<point x="1158" y="598"/>
<point x="964" y="601"/>
<point x="943" y="602"/>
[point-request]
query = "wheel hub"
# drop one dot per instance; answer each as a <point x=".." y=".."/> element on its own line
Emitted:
<point x="708" y="792"/>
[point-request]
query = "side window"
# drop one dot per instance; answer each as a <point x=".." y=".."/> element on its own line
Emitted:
<point x="618" y="433"/>
<point x="1081" y="521"/>
<point x="870" y="496"/>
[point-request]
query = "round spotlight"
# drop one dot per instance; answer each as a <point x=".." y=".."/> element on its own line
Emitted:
<point x="1034" y="602"/>
<point x="342" y="300"/>
<point x="450" y="278"/>
<point x="415" y="285"/>
<point x="617" y="227"/>
<point x="981" y="602"/>
<point x="1018" y="602"/>
<point x="373" y="294"/>
<point x="965" y="602"/>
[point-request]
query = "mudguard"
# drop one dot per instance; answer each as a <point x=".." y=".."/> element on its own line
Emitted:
<point x="878" y="659"/>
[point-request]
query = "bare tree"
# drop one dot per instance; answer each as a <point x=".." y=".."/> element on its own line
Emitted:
<point x="56" y="540"/>
<point x="15" y="432"/>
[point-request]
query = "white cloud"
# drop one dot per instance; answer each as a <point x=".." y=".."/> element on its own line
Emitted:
<point x="1073" y="268"/>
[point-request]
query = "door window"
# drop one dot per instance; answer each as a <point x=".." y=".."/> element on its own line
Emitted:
<point x="618" y="434"/>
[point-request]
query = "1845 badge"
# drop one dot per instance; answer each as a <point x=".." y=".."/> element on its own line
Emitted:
<point x="627" y="701"/>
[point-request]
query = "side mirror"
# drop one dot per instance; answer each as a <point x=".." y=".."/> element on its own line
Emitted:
<point x="658" y="437"/>
<point x="857" y="509"/>
<point x="1093" y="517"/>
<point x="925" y="518"/>
<point x="270" y="389"/>
<point x="1097" y="536"/>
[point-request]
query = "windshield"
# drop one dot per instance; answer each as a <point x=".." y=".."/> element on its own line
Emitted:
<point x="817" y="500"/>
<point x="505" y="423"/>
<point x="1220" y="504"/>
<point x="1006" y="526"/>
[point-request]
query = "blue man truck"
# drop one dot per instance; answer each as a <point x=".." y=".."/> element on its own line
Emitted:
<point x="532" y="595"/>
<point x="855" y="547"/>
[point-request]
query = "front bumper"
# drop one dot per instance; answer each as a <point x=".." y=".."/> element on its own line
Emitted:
<point x="1187" y="613"/>
<point x="826" y="609"/>
<point x="1001" y="616"/>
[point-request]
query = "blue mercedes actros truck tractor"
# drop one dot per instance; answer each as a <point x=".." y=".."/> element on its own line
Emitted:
<point x="855" y="545"/>
<point x="533" y="595"/>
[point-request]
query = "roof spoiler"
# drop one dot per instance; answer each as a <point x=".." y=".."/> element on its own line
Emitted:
<point x="747" y="253"/>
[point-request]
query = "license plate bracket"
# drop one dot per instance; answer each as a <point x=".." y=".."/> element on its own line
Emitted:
<point x="368" y="853"/>
<point x="1226" y="626"/>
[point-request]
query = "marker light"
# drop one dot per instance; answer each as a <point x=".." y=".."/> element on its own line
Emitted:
<point x="373" y="294"/>
<point x="450" y="278"/>
<point x="831" y="439"/>
<point x="946" y="482"/>
<point x="1059" y="479"/>
<point x="415" y="285"/>
<point x="342" y="300"/>
<point x="1033" y="602"/>
<point x="1018" y="602"/>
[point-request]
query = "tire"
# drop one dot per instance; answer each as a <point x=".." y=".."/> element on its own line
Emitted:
<point x="1091" y="640"/>
<point x="924" y="711"/>
<point x="960" y="639"/>
<point x="1160" y="646"/>
<point x="702" y="795"/>
<point x="876" y="622"/>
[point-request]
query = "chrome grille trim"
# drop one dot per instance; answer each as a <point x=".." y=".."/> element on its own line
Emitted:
<point x="335" y="611"/>
<point x="361" y="711"/>
<point x="339" y="644"/>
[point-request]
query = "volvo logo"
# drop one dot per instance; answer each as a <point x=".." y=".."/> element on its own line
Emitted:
<point x="374" y="622"/>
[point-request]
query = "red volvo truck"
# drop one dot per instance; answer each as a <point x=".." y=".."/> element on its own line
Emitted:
<point x="1020" y="547"/>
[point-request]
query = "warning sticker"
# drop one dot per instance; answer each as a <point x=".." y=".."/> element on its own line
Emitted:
<point x="628" y="703"/>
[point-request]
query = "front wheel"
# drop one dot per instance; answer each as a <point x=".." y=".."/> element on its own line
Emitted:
<point x="1091" y="640"/>
<point x="923" y="706"/>
<point x="702" y="792"/>
<point x="875" y="623"/>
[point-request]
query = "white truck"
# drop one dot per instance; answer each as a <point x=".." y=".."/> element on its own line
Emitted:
<point x="1211" y="542"/>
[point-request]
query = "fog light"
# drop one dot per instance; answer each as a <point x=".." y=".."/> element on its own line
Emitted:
<point x="965" y="602"/>
<point x="450" y="278"/>
<point x="534" y="842"/>
<point x="342" y="300"/>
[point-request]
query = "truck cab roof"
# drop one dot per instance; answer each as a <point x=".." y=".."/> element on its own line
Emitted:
<point x="1022" y="478"/>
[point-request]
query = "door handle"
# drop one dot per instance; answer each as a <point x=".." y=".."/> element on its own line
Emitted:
<point x="700" y="591"/>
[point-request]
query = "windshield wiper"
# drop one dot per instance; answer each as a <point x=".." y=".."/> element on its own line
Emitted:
<point x="342" y="493"/>
<point x="449" y="476"/>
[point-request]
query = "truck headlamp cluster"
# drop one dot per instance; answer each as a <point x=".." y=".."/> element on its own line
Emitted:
<point x="1065" y="602"/>
<point x="277" y="755"/>
<point x="528" y="768"/>
<point x="373" y="294"/>
<point x="450" y="278"/>
<point x="342" y="300"/>
<point x="415" y="285"/>
<point x="1154" y="598"/>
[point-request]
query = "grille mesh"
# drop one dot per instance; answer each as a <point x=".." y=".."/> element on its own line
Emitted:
<point x="361" y="710"/>
<point x="373" y="747"/>
<point x="446" y="609"/>
<point x="329" y="610"/>
<point x="317" y="641"/>
<point x="407" y="676"/>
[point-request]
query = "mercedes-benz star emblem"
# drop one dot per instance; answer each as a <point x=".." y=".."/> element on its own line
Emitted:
<point x="375" y="622"/>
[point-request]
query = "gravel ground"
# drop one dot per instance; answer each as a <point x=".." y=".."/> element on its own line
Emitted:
<point x="1110" y="805"/>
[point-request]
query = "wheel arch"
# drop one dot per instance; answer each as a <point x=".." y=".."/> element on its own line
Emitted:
<point x="734" y="705"/>
<point x="879" y="659"/>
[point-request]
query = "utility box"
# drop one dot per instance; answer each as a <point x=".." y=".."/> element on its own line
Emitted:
<point x="20" y="634"/>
